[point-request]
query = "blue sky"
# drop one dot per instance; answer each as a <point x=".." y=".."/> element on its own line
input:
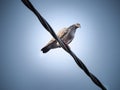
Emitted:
<point x="24" y="67"/>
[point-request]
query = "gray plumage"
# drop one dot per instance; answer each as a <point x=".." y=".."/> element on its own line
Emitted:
<point x="65" y="34"/>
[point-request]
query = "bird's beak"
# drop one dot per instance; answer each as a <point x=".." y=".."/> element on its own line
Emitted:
<point x="78" y="25"/>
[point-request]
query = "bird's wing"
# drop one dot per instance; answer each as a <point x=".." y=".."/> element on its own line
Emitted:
<point x="60" y="34"/>
<point x="51" y="41"/>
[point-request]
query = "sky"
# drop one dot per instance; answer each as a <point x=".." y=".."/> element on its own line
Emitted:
<point x="97" y="43"/>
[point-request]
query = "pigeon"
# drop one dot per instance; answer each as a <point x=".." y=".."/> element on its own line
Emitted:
<point x="65" y="34"/>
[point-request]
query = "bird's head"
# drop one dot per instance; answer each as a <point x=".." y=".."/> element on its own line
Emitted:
<point x="78" y="25"/>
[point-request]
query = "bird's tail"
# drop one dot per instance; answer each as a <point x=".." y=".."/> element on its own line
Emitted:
<point x="49" y="46"/>
<point x="45" y="49"/>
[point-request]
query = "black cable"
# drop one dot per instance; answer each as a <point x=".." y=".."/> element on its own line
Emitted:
<point x="62" y="44"/>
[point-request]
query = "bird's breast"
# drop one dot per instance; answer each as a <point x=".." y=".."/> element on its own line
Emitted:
<point x="71" y="34"/>
<point x="68" y="37"/>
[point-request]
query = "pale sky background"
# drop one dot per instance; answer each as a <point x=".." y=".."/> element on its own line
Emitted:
<point x="24" y="67"/>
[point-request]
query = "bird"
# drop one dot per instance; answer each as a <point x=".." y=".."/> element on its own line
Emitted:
<point x="65" y="34"/>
